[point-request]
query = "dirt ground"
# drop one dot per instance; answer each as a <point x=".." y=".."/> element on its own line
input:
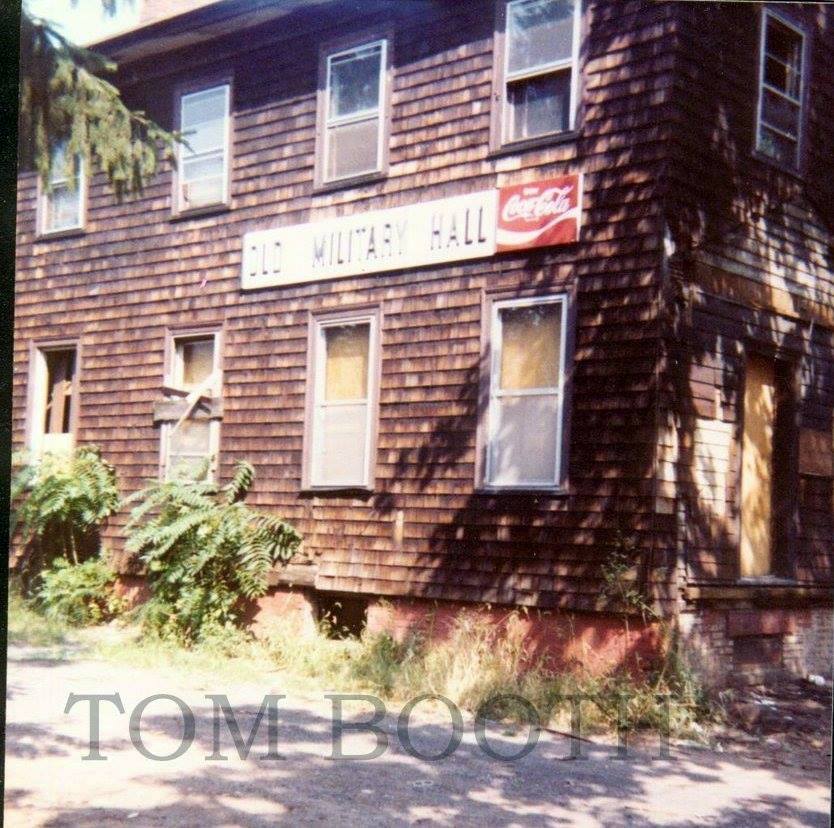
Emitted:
<point x="775" y="775"/>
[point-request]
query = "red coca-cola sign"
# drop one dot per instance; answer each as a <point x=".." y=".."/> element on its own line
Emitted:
<point x="539" y="215"/>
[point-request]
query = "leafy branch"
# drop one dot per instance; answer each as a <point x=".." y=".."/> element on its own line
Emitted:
<point x="66" y="103"/>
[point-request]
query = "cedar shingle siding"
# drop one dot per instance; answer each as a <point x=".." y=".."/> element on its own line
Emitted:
<point x="672" y="193"/>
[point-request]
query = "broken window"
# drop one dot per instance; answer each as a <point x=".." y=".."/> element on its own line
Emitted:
<point x="191" y="426"/>
<point x="53" y="401"/>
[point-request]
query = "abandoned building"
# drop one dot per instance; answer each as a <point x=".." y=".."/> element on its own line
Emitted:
<point x="486" y="291"/>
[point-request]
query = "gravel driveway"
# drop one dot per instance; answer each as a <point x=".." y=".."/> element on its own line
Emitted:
<point x="48" y="783"/>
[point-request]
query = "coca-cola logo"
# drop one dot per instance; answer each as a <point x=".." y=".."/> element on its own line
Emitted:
<point x="550" y="202"/>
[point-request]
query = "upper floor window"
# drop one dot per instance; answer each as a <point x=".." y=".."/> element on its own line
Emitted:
<point x="538" y="68"/>
<point x="62" y="201"/>
<point x="203" y="175"/>
<point x="354" y="112"/>
<point x="781" y="88"/>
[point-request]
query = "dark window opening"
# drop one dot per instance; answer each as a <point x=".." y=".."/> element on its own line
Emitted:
<point x="757" y="650"/>
<point x="342" y="616"/>
<point x="60" y="372"/>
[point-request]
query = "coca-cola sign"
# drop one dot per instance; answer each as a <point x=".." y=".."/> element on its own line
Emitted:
<point x="540" y="214"/>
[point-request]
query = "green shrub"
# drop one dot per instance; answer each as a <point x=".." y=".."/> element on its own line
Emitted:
<point x="205" y="550"/>
<point x="63" y="502"/>
<point x="79" y="594"/>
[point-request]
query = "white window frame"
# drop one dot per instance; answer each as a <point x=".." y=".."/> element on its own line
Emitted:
<point x="767" y="14"/>
<point x="39" y="393"/>
<point x="45" y="194"/>
<point x="357" y="117"/>
<point x="496" y="345"/>
<point x="173" y="379"/>
<point x="318" y="405"/>
<point x="181" y="205"/>
<point x="508" y="77"/>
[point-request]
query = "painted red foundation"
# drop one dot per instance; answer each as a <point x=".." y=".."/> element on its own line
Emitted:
<point x="590" y="643"/>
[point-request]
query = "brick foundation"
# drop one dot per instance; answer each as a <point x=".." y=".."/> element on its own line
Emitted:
<point x="292" y="604"/>
<point x="589" y="642"/>
<point x="726" y="646"/>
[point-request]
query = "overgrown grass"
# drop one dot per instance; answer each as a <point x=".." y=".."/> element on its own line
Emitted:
<point x="29" y="627"/>
<point x="480" y="668"/>
<point x="488" y="671"/>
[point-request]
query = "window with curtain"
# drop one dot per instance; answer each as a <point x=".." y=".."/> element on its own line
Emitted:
<point x="780" y="91"/>
<point x="341" y="417"/>
<point x="540" y="66"/>
<point x="354" y="107"/>
<point x="203" y="172"/>
<point x="526" y="393"/>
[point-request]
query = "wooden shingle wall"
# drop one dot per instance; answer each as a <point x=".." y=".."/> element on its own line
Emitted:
<point x="136" y="272"/>
<point x="754" y="255"/>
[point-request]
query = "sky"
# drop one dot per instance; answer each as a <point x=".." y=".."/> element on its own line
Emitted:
<point x="85" y="21"/>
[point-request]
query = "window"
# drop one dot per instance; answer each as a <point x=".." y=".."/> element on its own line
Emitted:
<point x="53" y="401"/>
<point x="62" y="202"/>
<point x="539" y="68"/>
<point x="354" y="111"/>
<point x="344" y="379"/>
<point x="190" y="442"/>
<point x="779" y="127"/>
<point x="203" y="175"/>
<point x="526" y="391"/>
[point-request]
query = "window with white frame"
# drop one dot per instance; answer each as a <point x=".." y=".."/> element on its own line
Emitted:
<point x="540" y="74"/>
<point x="62" y="200"/>
<point x="781" y="87"/>
<point x="203" y="175"/>
<point x="53" y="400"/>
<point x="354" y="96"/>
<point x="526" y="393"/>
<point x="344" y="388"/>
<point x="190" y="442"/>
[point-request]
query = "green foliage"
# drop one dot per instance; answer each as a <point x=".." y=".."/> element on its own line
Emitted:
<point x="65" y="102"/>
<point x="205" y="550"/>
<point x="79" y="594"/>
<point x="619" y="576"/>
<point x="64" y="502"/>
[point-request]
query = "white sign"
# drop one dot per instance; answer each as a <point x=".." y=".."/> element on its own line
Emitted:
<point x="447" y="230"/>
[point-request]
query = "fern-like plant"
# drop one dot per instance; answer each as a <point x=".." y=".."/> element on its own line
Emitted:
<point x="205" y="550"/>
<point x="61" y="505"/>
<point x="79" y="594"/>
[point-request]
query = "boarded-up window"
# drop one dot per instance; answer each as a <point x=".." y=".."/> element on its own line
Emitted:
<point x="54" y="395"/>
<point x="540" y="66"/>
<point x="780" y="90"/>
<point x="341" y="417"/>
<point x="62" y="202"/>
<point x="757" y="469"/>
<point x="190" y="445"/>
<point x="355" y="89"/>
<point x="203" y="168"/>
<point x="526" y="393"/>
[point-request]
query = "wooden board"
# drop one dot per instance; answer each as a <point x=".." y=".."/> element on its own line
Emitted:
<point x="757" y="469"/>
